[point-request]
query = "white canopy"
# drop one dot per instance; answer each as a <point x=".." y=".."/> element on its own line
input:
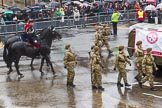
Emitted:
<point x="146" y="26"/>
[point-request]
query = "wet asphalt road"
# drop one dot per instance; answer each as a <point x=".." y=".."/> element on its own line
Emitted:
<point x="33" y="91"/>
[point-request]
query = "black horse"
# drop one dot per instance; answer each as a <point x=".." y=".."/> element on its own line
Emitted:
<point x="14" y="49"/>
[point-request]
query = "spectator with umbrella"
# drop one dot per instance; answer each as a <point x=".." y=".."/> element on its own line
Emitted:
<point x="150" y="10"/>
<point x="114" y="20"/>
<point x="137" y="6"/>
<point x="76" y="14"/>
<point x="62" y="14"/>
<point x="58" y="14"/>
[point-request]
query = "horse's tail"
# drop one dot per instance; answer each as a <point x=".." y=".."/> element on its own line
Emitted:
<point x="5" y="53"/>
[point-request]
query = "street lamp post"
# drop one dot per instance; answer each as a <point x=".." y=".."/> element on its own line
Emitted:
<point x="2" y="3"/>
<point x="25" y="3"/>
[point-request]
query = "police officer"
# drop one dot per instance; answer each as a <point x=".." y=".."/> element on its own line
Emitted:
<point x="120" y="64"/>
<point x="148" y="66"/>
<point x="139" y="55"/>
<point x="70" y="64"/>
<point x="114" y="20"/>
<point x="140" y="15"/>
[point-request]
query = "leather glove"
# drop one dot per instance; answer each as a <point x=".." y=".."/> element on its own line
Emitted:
<point x="114" y="69"/>
<point x="65" y="67"/>
<point x="130" y="64"/>
<point x="102" y="67"/>
<point x="128" y="57"/>
<point x="76" y="62"/>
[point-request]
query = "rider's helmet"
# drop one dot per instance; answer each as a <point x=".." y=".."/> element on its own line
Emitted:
<point x="31" y="20"/>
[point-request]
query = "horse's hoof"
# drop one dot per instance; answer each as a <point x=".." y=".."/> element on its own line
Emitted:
<point x="21" y="75"/>
<point x="42" y="73"/>
<point x="32" y="68"/>
<point x="8" y="73"/>
<point x="54" y="75"/>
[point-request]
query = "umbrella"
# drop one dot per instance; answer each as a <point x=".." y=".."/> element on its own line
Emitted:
<point x="53" y="4"/>
<point x="8" y="12"/>
<point x="73" y="3"/>
<point x="15" y="9"/>
<point x="35" y="8"/>
<point x="77" y="2"/>
<point x="150" y="7"/>
<point x="85" y="4"/>
<point x="10" y="7"/>
<point x="98" y="2"/>
<point x="40" y="3"/>
<point x="26" y="9"/>
<point x="159" y="6"/>
<point x="67" y="3"/>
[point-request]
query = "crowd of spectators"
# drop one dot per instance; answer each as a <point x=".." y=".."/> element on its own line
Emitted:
<point x="75" y="11"/>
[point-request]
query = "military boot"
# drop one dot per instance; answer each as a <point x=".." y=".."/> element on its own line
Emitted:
<point x="140" y="84"/>
<point x="119" y="84"/>
<point x="137" y="78"/>
<point x="153" y="89"/>
<point x="101" y="88"/>
<point x="110" y="52"/>
<point x="68" y="84"/>
<point x="72" y="85"/>
<point x="94" y="88"/>
<point x="127" y="85"/>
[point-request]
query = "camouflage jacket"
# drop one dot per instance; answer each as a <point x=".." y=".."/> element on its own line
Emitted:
<point x="121" y="60"/>
<point x="69" y="59"/>
<point x="148" y="62"/>
<point x="98" y="39"/>
<point x="105" y="34"/>
<point x="91" y="54"/>
<point x="96" y="61"/>
<point x="98" y="36"/>
<point x="139" y="54"/>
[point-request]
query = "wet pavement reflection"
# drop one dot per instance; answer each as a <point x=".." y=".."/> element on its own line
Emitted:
<point x="36" y="91"/>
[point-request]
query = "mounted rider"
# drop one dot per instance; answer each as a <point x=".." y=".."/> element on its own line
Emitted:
<point x="29" y="34"/>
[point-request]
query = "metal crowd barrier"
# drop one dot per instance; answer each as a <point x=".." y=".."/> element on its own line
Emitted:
<point x="82" y="21"/>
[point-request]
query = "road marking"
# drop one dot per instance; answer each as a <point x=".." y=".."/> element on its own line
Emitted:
<point x="148" y="94"/>
<point x="123" y="27"/>
<point x="158" y="85"/>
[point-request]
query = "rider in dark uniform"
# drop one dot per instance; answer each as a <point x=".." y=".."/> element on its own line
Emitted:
<point x="29" y="34"/>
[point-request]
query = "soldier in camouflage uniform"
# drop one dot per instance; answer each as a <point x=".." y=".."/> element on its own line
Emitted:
<point x="120" y="64"/>
<point x="96" y="70"/>
<point x="148" y="66"/>
<point x="105" y="35"/>
<point x="139" y="54"/>
<point x="70" y="64"/>
<point x="92" y="74"/>
<point x="98" y="40"/>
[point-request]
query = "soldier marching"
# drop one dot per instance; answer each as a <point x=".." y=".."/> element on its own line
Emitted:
<point x="144" y="63"/>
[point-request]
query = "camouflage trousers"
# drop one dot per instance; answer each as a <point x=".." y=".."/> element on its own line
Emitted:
<point x="149" y="77"/>
<point x="122" y="74"/>
<point x="140" y="72"/>
<point x="92" y="76"/>
<point x="99" y="44"/>
<point x="96" y="76"/>
<point x="70" y="75"/>
<point x="105" y="42"/>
